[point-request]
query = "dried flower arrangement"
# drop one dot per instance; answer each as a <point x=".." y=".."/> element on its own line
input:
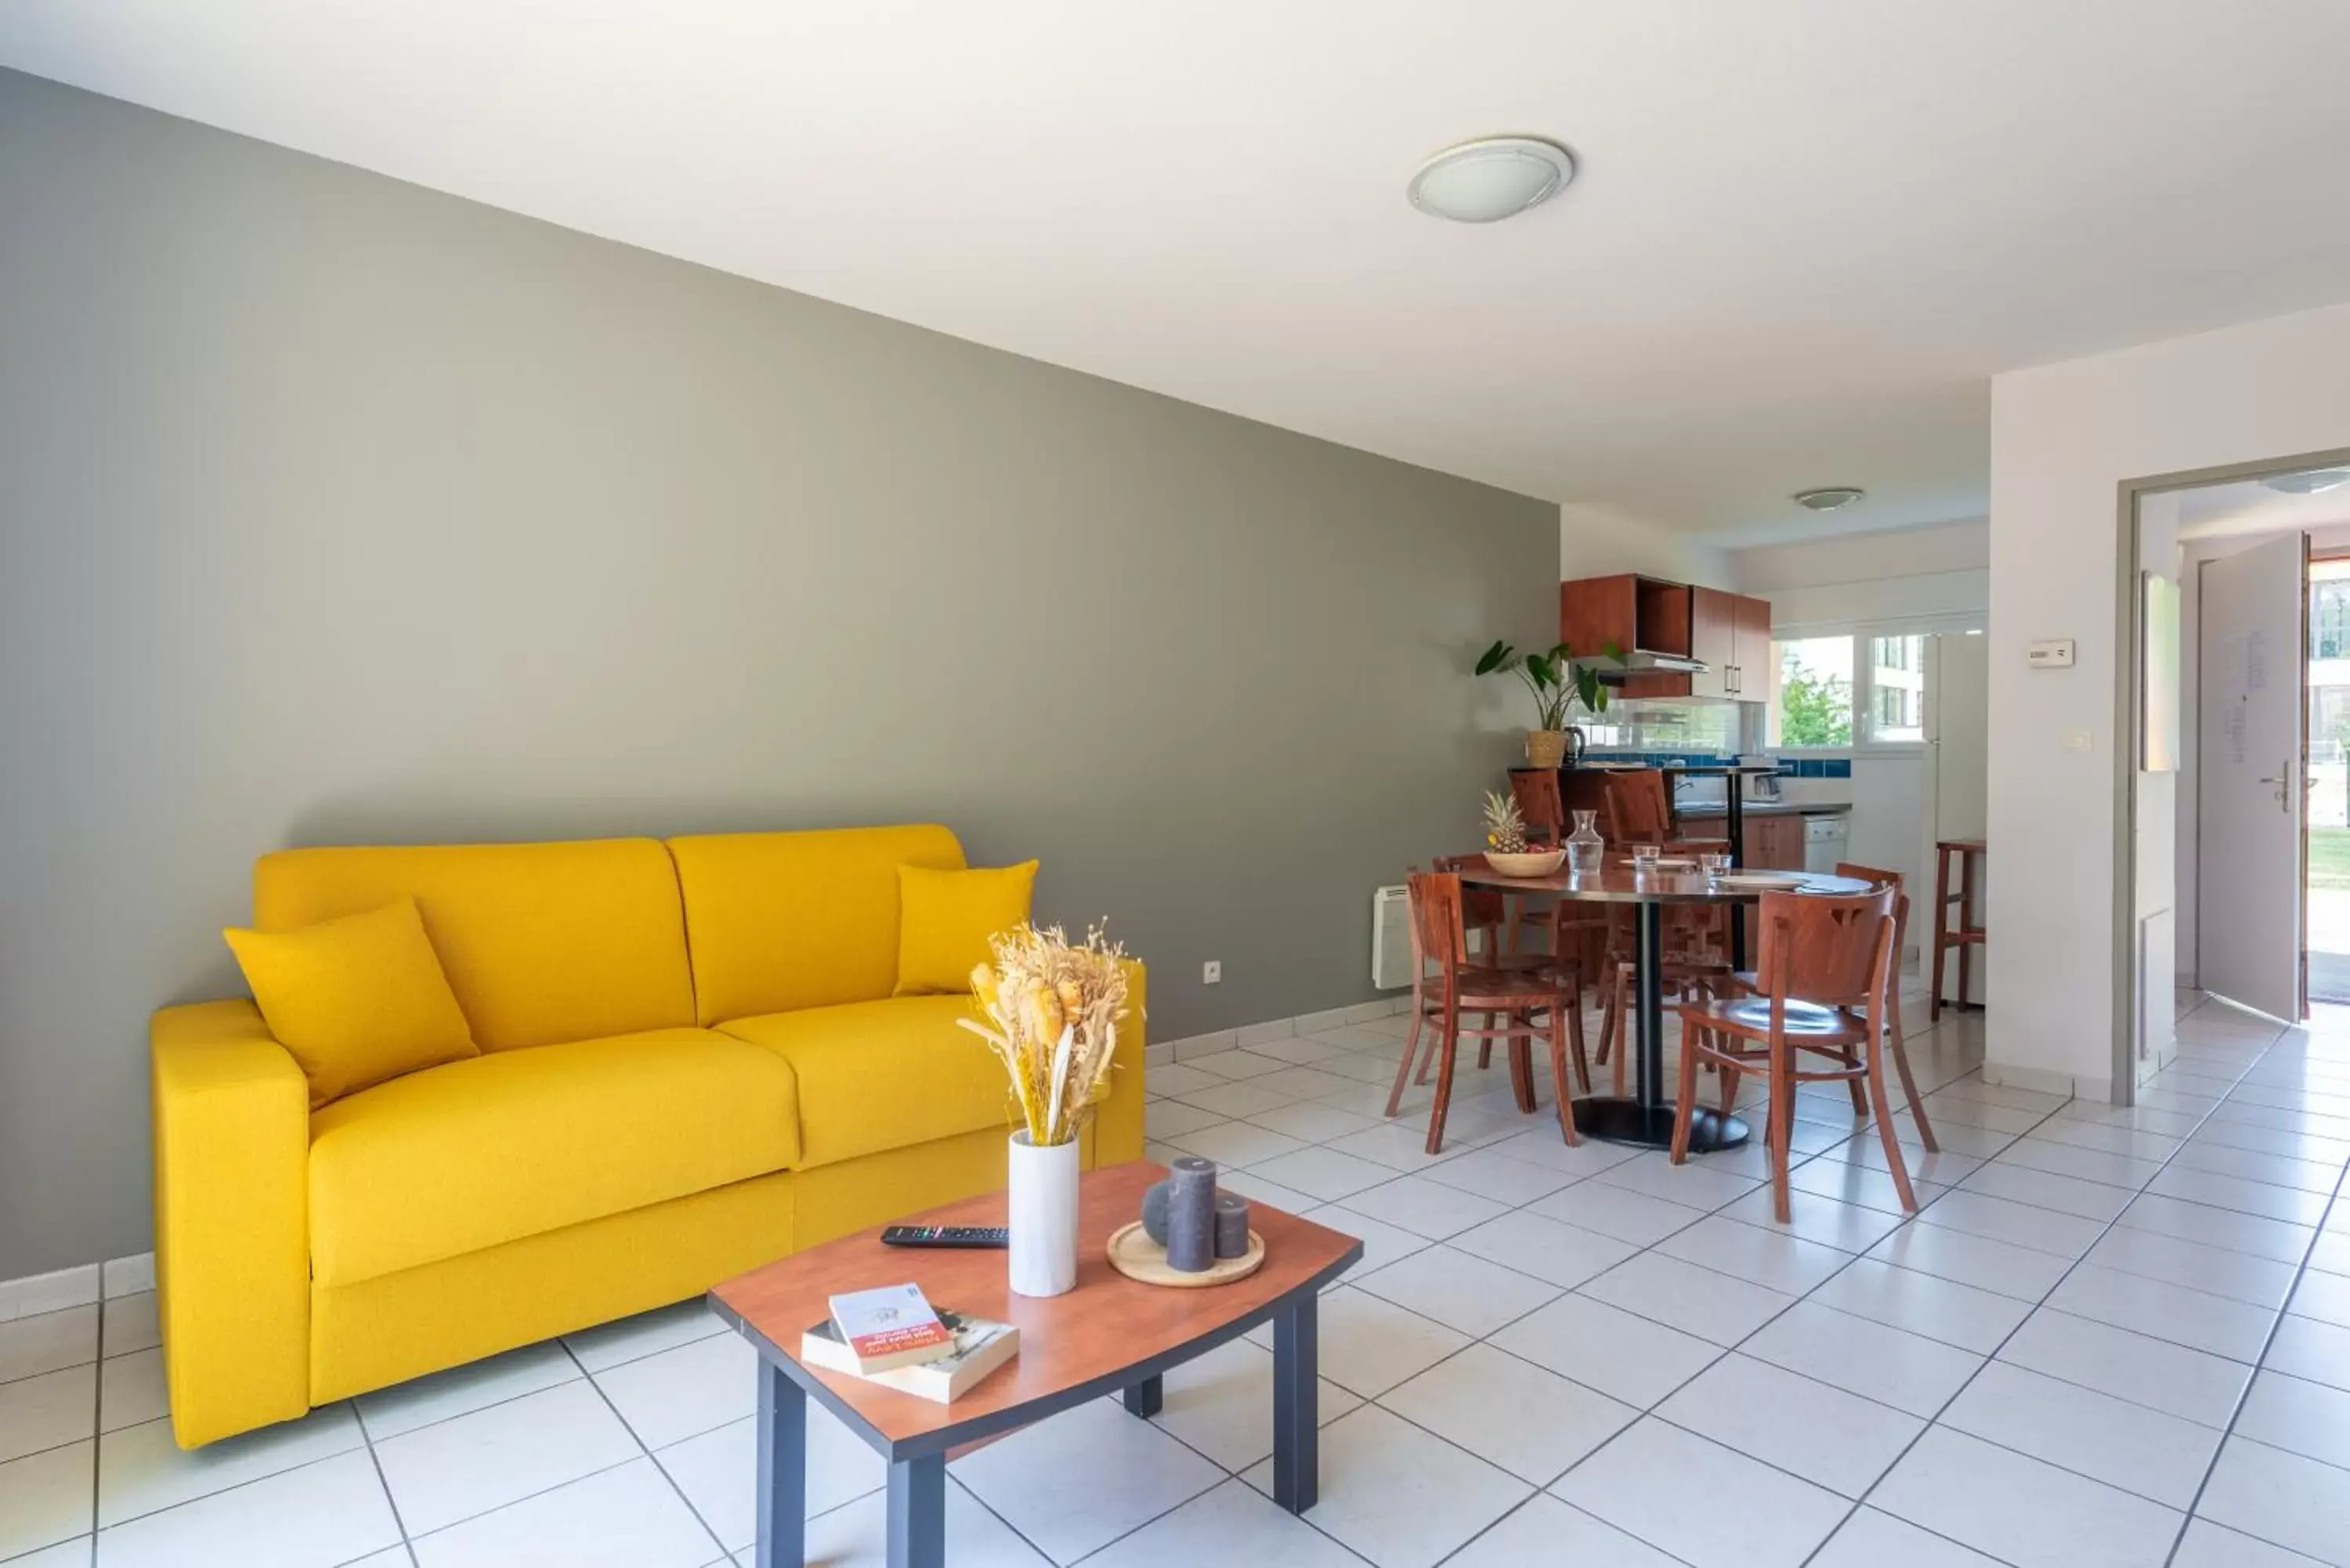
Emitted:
<point x="1055" y="1006"/>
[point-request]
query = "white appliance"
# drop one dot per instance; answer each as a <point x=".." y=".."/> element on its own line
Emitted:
<point x="1957" y="783"/>
<point x="1824" y="837"/>
<point x="1392" y="938"/>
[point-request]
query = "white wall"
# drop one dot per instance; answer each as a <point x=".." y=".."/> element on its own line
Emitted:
<point x="1598" y="542"/>
<point x="2064" y="437"/>
<point x="1961" y="546"/>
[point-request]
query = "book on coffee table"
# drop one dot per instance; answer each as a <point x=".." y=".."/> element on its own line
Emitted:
<point x="979" y="1347"/>
<point x="891" y="1326"/>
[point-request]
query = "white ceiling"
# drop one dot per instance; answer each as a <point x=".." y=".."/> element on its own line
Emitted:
<point x="1803" y="236"/>
<point x="2248" y="506"/>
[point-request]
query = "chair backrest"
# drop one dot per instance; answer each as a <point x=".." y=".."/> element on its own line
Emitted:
<point x="1437" y="930"/>
<point x="1536" y="791"/>
<point x="1877" y="877"/>
<point x="1834" y="950"/>
<point x="1482" y="908"/>
<point x="1639" y="807"/>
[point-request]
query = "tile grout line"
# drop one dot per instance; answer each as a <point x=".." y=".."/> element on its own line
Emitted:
<point x="2235" y="1413"/>
<point x="1936" y="1419"/>
<point x="644" y="1450"/>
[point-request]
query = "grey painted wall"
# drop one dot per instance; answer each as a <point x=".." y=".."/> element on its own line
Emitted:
<point x="333" y="510"/>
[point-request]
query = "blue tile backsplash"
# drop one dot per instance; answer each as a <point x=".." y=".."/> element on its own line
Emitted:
<point x="1789" y="767"/>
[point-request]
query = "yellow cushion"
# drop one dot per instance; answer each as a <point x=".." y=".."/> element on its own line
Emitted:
<point x="882" y="1074"/>
<point x="541" y="942"/>
<point x="784" y="921"/>
<point x="945" y="919"/>
<point x="355" y="1001"/>
<point x="520" y="1142"/>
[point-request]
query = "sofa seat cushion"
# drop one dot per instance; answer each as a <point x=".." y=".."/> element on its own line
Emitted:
<point x="500" y="1146"/>
<point x="876" y="1076"/>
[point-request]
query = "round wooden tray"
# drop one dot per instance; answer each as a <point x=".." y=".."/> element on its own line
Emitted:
<point x="1133" y="1253"/>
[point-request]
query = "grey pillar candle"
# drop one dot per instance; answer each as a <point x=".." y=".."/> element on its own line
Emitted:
<point x="1232" y="1225"/>
<point x="1191" y="1215"/>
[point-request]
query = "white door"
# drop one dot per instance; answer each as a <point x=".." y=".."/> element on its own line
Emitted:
<point x="2249" y="776"/>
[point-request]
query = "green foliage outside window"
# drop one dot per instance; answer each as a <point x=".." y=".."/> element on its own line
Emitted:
<point x="1815" y="709"/>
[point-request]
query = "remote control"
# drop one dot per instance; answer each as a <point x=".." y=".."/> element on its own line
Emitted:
<point x="946" y="1236"/>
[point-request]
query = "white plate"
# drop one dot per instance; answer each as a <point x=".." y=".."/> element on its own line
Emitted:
<point x="1765" y="879"/>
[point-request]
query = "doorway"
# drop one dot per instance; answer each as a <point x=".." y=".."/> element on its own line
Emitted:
<point x="2328" y="870"/>
<point x="2233" y="748"/>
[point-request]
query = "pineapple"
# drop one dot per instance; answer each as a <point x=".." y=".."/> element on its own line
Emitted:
<point x="1505" y="826"/>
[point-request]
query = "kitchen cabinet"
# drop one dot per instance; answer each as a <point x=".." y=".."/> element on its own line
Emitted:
<point x="1750" y="649"/>
<point x="1773" y="842"/>
<point x="1729" y="633"/>
<point x="1628" y="612"/>
<point x="1713" y="636"/>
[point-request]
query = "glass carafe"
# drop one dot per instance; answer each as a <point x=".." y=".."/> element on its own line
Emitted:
<point x="1584" y="848"/>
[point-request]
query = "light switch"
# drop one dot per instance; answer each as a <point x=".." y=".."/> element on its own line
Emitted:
<point x="2076" y="740"/>
<point x="2050" y="653"/>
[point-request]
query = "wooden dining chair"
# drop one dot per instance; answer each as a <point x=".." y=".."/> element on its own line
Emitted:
<point x="1485" y="911"/>
<point x="1895" y="1038"/>
<point x="1567" y="930"/>
<point x="1640" y="807"/>
<point x="1539" y="802"/>
<point x="1457" y="987"/>
<point x="1697" y="962"/>
<point x="1821" y="989"/>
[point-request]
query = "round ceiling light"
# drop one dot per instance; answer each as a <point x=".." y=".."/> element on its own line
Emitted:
<point x="2309" y="481"/>
<point x="1829" y="498"/>
<point x="1491" y="179"/>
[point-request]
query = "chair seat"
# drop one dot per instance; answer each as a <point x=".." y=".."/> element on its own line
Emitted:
<point x="517" y="1143"/>
<point x="1807" y="1022"/>
<point x="1502" y="987"/>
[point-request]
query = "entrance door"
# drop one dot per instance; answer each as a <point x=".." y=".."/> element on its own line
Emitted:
<point x="2250" y="776"/>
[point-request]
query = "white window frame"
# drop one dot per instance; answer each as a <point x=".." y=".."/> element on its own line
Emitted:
<point x="1863" y="681"/>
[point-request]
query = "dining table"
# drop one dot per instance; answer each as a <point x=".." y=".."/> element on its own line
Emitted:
<point x="1647" y="1116"/>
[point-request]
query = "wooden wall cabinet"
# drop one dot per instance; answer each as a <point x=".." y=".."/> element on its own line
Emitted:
<point x="1730" y="633"/>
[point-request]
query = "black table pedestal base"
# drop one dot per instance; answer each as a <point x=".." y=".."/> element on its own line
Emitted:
<point x="1628" y="1121"/>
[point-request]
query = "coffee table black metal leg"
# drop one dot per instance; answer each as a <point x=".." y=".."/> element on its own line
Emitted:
<point x="783" y="1470"/>
<point x="1296" y="1393"/>
<point x="1144" y="1399"/>
<point x="918" y="1512"/>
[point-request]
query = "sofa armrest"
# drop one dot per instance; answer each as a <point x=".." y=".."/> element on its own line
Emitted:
<point x="232" y="1219"/>
<point x="1118" y="1118"/>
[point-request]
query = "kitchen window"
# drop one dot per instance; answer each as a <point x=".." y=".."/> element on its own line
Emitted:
<point x="1812" y="701"/>
<point x="1896" y="683"/>
<point x="1850" y="689"/>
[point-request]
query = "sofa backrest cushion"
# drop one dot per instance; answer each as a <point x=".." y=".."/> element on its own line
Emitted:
<point x="541" y="942"/>
<point x="785" y="920"/>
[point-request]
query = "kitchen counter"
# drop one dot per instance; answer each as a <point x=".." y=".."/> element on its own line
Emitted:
<point x="1767" y="808"/>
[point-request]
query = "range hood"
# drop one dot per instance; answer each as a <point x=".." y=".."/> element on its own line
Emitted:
<point x="1643" y="661"/>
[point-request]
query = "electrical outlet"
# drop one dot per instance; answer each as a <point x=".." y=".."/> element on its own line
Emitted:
<point x="1212" y="972"/>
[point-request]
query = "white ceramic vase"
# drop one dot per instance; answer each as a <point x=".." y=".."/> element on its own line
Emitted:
<point x="1042" y="1210"/>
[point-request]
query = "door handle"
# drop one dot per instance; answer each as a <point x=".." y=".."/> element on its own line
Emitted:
<point x="2283" y="781"/>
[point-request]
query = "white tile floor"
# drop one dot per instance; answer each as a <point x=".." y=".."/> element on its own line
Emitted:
<point x="2110" y="1337"/>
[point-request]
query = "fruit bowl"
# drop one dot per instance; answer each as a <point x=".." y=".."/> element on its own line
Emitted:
<point x="1531" y="863"/>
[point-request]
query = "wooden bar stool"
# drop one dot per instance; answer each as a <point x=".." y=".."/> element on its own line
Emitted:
<point x="1822" y="989"/>
<point x="1512" y="996"/>
<point x="1968" y="853"/>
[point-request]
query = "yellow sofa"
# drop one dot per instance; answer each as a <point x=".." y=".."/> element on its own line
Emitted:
<point x="690" y="1064"/>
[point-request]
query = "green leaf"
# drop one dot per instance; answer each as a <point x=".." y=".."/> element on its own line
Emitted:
<point x="1539" y="668"/>
<point x="1496" y="658"/>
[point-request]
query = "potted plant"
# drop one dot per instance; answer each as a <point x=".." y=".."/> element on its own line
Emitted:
<point x="1053" y="1008"/>
<point x="1558" y="683"/>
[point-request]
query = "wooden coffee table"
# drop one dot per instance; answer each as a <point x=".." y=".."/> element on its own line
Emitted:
<point x="1109" y="1333"/>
